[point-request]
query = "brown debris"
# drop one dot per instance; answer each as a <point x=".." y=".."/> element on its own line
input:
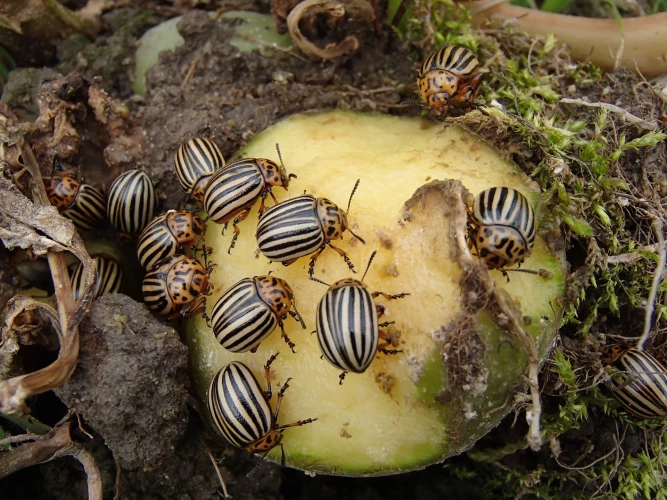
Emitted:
<point x="360" y="10"/>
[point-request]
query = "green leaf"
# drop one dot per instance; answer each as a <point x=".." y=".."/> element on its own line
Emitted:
<point x="602" y="214"/>
<point x="579" y="226"/>
<point x="555" y="6"/>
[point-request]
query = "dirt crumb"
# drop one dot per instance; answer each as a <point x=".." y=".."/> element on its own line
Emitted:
<point x="128" y="386"/>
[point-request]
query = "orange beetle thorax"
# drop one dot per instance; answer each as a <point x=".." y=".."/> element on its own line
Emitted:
<point x="185" y="226"/>
<point x="187" y="280"/>
<point x="62" y="191"/>
<point x="274" y="174"/>
<point x="613" y="353"/>
<point x="275" y="293"/>
<point x="347" y="282"/>
<point x="332" y="219"/>
<point x="438" y="81"/>
<point x="200" y="188"/>
<point x="266" y="443"/>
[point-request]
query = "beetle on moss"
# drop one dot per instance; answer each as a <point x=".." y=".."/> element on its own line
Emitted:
<point x="169" y="234"/>
<point x="233" y="190"/>
<point x="501" y="227"/>
<point x="640" y="384"/>
<point x="450" y="75"/>
<point x="303" y="226"/>
<point x="250" y="310"/>
<point x="347" y="324"/>
<point x="241" y="410"/>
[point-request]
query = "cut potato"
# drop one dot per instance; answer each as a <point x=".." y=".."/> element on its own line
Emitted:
<point x="457" y="372"/>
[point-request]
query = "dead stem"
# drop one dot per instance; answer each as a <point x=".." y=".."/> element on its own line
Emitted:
<point x="616" y="109"/>
<point x="57" y="443"/>
<point x="217" y="470"/>
<point x="657" y="278"/>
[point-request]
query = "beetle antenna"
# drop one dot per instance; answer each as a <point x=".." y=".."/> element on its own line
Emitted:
<point x="354" y="190"/>
<point x="57" y="165"/>
<point x="357" y="237"/>
<point x="319" y="281"/>
<point x="280" y="156"/>
<point x="369" y="264"/>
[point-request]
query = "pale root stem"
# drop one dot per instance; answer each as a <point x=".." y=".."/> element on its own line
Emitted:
<point x="657" y="278"/>
<point x="640" y="47"/>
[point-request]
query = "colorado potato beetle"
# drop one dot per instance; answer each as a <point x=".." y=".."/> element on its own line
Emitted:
<point x="241" y="410"/>
<point x="83" y="204"/>
<point x="233" y="190"/>
<point x="303" y="226"/>
<point x="639" y="383"/>
<point x="347" y="324"/>
<point x="250" y="310"/>
<point x="109" y="277"/>
<point x="131" y="202"/>
<point x="450" y="75"/>
<point x="169" y="234"/>
<point x="501" y="227"/>
<point x="176" y="286"/>
<point x="195" y="162"/>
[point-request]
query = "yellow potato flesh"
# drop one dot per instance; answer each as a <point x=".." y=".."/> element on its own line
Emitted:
<point x="392" y="417"/>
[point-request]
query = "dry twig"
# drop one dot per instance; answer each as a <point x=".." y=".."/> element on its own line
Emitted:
<point x="657" y="278"/>
<point x="360" y="10"/>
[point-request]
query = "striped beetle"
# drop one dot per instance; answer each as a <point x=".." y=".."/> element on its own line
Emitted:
<point x="195" y="162"/>
<point x="177" y="286"/>
<point x="168" y="234"/>
<point x="233" y="190"/>
<point x="640" y="384"/>
<point x="241" y="410"/>
<point x="109" y="277"/>
<point x="250" y="310"/>
<point x="501" y="227"/>
<point x="449" y="75"/>
<point x="82" y="203"/>
<point x="131" y="202"/>
<point x="347" y="324"/>
<point x="302" y="226"/>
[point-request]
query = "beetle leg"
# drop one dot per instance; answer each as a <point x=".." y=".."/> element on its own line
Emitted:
<point x="282" y="455"/>
<point x="344" y="255"/>
<point x="195" y="307"/>
<point x="284" y="335"/>
<point x="389" y="297"/>
<point x="341" y="377"/>
<point x="275" y="200"/>
<point x="281" y="395"/>
<point x="239" y="218"/>
<point x="224" y="228"/>
<point x="267" y="374"/>
<point x="295" y="424"/>
<point x="262" y="206"/>
<point x="288" y="262"/>
<point x="386" y="323"/>
<point x="386" y="342"/>
<point x="313" y="258"/>
<point x="379" y="308"/>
